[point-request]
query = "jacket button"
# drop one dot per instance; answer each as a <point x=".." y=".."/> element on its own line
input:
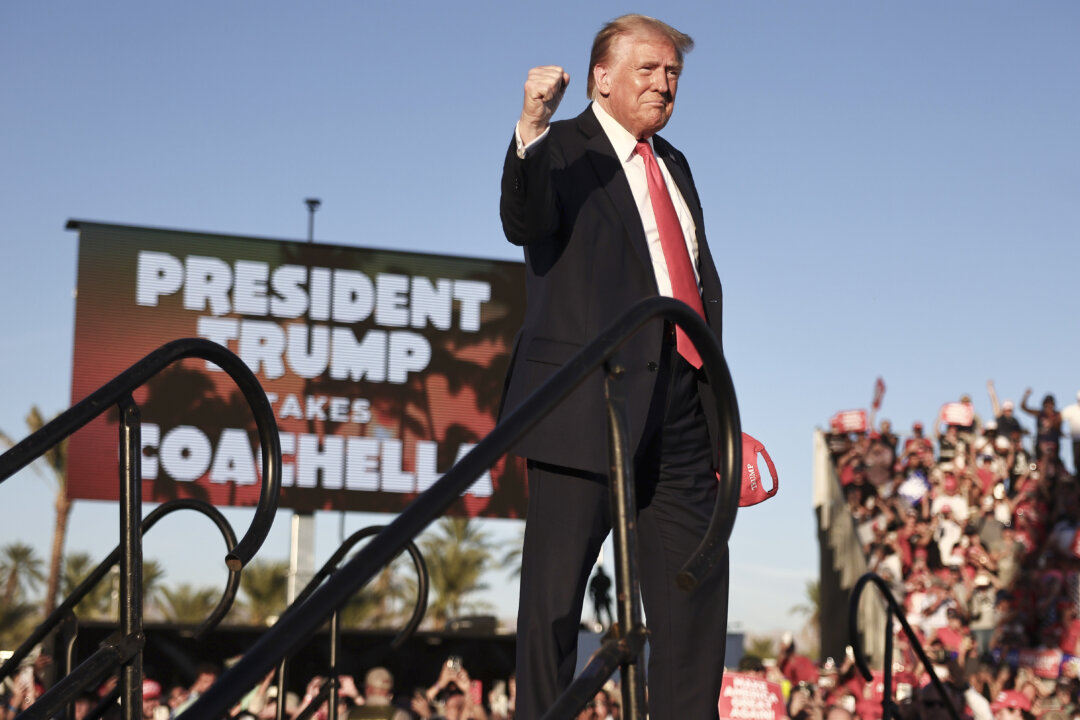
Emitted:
<point x="653" y="366"/>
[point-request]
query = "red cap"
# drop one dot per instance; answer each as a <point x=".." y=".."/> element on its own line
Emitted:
<point x="151" y="689"/>
<point x="1011" y="699"/>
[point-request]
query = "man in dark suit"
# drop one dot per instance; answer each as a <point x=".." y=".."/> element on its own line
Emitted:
<point x="608" y="214"/>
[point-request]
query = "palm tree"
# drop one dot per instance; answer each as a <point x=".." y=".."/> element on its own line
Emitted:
<point x="97" y="605"/>
<point x="811" y="609"/>
<point x="187" y="604"/>
<point x="20" y="569"/>
<point x="152" y="575"/>
<point x="264" y="585"/>
<point x="457" y="558"/>
<point x="760" y="647"/>
<point x="512" y="558"/>
<point x="16" y="622"/>
<point x="55" y="460"/>
<point x="382" y="602"/>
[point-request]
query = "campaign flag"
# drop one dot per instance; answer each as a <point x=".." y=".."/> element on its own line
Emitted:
<point x="956" y="413"/>
<point x="745" y="697"/>
<point x="849" y="421"/>
<point x="1045" y="662"/>
<point x="879" y="393"/>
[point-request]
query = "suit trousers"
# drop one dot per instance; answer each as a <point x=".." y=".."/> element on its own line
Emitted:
<point x="569" y="517"/>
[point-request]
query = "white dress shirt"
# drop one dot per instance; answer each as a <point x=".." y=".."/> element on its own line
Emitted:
<point x="634" y="168"/>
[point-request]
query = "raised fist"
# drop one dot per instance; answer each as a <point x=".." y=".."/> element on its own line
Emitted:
<point x="544" y="90"/>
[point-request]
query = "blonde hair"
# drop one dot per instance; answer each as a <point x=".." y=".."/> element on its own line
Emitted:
<point x="629" y="25"/>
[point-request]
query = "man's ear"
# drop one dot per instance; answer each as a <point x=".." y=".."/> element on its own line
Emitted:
<point x="601" y="79"/>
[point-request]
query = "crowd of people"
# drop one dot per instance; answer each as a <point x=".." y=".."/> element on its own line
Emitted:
<point x="974" y="525"/>
<point x="454" y="695"/>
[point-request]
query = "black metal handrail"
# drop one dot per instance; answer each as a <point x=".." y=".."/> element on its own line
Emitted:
<point x="64" y="692"/>
<point x="331" y="566"/>
<point x="126" y="650"/>
<point x="66" y="608"/>
<point x="111" y="393"/>
<point x="889" y="709"/>
<point x="287" y="634"/>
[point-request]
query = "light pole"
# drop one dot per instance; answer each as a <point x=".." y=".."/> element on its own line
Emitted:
<point x="312" y="205"/>
<point x="302" y="530"/>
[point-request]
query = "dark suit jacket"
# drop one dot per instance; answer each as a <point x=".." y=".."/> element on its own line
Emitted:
<point x="569" y="204"/>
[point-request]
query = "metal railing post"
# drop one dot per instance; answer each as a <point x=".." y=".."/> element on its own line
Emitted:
<point x="280" y="713"/>
<point x="68" y="633"/>
<point x="888" y="707"/>
<point x="624" y="537"/>
<point x="624" y="650"/>
<point x="131" y="607"/>
<point x="335" y="640"/>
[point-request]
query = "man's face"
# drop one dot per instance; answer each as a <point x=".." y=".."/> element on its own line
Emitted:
<point x="455" y="707"/>
<point x="177" y="696"/>
<point x="203" y="682"/>
<point x="637" y="82"/>
<point x="601" y="705"/>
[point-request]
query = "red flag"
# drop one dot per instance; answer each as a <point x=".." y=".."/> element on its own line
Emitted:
<point x="879" y="392"/>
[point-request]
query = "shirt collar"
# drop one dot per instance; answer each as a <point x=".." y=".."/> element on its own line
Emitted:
<point x="620" y="138"/>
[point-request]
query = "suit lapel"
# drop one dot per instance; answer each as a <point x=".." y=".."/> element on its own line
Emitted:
<point x="611" y="177"/>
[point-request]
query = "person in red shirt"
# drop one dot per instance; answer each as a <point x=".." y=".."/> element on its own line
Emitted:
<point x="796" y="668"/>
<point x="917" y="442"/>
<point x="953" y="634"/>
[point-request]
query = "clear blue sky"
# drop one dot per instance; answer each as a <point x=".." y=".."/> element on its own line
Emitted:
<point x="889" y="188"/>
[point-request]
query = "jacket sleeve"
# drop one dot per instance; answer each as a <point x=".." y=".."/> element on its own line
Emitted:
<point x="528" y="203"/>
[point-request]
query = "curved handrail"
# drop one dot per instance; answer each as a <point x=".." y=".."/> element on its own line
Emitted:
<point x="97" y="402"/>
<point x="328" y="568"/>
<point x="114" y="653"/>
<point x="860" y="657"/>
<point x="331" y="566"/>
<point x="98" y="573"/>
<point x="437" y="498"/>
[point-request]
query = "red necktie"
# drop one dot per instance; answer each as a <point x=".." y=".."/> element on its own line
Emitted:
<point x="680" y="270"/>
